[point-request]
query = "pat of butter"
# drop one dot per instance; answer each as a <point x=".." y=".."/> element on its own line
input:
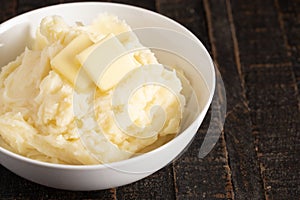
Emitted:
<point x="66" y="64"/>
<point x="107" y="62"/>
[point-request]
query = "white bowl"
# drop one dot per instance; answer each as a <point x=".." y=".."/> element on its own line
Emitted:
<point x="14" y="35"/>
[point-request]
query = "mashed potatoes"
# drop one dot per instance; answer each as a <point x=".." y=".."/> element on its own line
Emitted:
<point x="44" y="117"/>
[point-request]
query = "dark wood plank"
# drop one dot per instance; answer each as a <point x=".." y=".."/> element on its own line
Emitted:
<point x="15" y="187"/>
<point x="160" y="185"/>
<point x="246" y="177"/>
<point x="149" y="4"/>
<point x="8" y="10"/>
<point x="258" y="26"/>
<point x="27" y="5"/>
<point x="207" y="178"/>
<point x="272" y="97"/>
<point x="289" y="19"/>
<point x="277" y="130"/>
<point x="196" y="178"/>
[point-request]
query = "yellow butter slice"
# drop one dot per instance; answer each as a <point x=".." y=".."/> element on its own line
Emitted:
<point x="107" y="62"/>
<point x="66" y="64"/>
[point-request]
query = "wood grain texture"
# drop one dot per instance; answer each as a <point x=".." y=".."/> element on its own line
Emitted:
<point x="289" y="19"/>
<point x="160" y="185"/>
<point x="246" y="178"/>
<point x="272" y="96"/>
<point x="15" y="187"/>
<point x="259" y="38"/>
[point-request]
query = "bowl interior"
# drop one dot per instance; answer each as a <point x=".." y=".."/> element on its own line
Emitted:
<point x="190" y="55"/>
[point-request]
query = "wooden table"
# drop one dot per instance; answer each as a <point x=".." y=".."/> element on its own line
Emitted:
<point x="256" y="46"/>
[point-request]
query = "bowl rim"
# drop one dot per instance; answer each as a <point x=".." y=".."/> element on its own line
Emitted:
<point x="136" y="158"/>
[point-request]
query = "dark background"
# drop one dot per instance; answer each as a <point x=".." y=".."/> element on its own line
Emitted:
<point x="256" y="46"/>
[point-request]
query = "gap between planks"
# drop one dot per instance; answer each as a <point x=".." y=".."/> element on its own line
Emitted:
<point x="114" y="193"/>
<point x="239" y="68"/>
<point x="214" y="52"/>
